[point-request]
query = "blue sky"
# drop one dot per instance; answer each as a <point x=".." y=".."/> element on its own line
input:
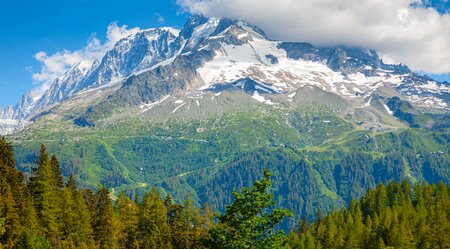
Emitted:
<point x="30" y="26"/>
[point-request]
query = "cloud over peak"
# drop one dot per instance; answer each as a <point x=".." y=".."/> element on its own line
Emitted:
<point x="403" y="31"/>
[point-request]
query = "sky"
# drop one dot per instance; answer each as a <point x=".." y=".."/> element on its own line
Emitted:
<point x="41" y="39"/>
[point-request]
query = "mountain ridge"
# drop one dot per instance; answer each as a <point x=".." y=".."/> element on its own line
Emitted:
<point x="201" y="39"/>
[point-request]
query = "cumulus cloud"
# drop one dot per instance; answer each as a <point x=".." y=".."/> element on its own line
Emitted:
<point x="402" y="31"/>
<point x="55" y="65"/>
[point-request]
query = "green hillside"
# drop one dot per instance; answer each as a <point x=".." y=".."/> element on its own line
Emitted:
<point x="321" y="158"/>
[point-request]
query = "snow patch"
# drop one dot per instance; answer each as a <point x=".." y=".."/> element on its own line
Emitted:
<point x="108" y="85"/>
<point x="203" y="31"/>
<point x="146" y="107"/>
<point x="261" y="99"/>
<point x="178" y="107"/>
<point x="242" y="36"/>
<point x="388" y="109"/>
<point x="367" y="104"/>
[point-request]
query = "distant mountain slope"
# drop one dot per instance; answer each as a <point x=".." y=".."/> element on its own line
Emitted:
<point x="223" y="51"/>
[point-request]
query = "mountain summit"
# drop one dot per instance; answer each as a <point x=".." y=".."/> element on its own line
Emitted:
<point x="214" y="52"/>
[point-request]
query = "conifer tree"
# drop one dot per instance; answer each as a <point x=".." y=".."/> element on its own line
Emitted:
<point x="58" y="178"/>
<point x="31" y="227"/>
<point x="12" y="196"/>
<point x="72" y="183"/>
<point x="153" y="228"/>
<point x="128" y="213"/>
<point x="47" y="198"/>
<point x="105" y="223"/>
<point x="9" y="175"/>
<point x="11" y="218"/>
<point x="379" y="244"/>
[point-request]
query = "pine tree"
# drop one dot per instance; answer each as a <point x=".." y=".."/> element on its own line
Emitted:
<point x="379" y="244"/>
<point x="105" y="224"/>
<point x="153" y="228"/>
<point x="440" y="224"/>
<point x="354" y="226"/>
<point x="309" y="242"/>
<point x="9" y="175"/>
<point x="70" y="216"/>
<point x="128" y="213"/>
<point x="72" y="183"/>
<point x="11" y="223"/>
<point x="47" y="198"/>
<point x="12" y="196"/>
<point x="207" y="216"/>
<point x="83" y="237"/>
<point x="58" y="178"/>
<point x="303" y="226"/>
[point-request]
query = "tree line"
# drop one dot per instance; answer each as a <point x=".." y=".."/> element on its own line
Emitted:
<point x="393" y="216"/>
<point x="44" y="210"/>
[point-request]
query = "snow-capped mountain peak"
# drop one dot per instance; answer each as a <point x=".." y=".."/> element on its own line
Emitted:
<point x="225" y="52"/>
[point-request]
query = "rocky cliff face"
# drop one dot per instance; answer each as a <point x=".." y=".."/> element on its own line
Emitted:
<point x="214" y="53"/>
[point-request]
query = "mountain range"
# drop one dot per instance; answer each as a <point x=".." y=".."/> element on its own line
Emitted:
<point x="203" y="108"/>
<point x="224" y="51"/>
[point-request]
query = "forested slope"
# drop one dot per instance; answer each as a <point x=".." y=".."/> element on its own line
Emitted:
<point x="44" y="210"/>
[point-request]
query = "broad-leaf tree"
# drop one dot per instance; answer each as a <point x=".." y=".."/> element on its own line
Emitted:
<point x="249" y="222"/>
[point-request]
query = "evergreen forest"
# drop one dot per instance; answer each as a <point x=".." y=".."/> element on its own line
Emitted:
<point x="42" y="209"/>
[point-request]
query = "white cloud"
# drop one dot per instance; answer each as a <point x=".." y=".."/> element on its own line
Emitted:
<point x="416" y="36"/>
<point x="55" y="65"/>
<point x="161" y="18"/>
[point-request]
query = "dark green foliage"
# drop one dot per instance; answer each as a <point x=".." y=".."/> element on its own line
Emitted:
<point x="72" y="183"/>
<point x="247" y="223"/>
<point x="392" y="216"/>
<point x="56" y="167"/>
<point x="128" y="212"/>
<point x="38" y="212"/>
<point x="47" y="197"/>
<point x="405" y="111"/>
<point x="317" y="127"/>
<point x="11" y="204"/>
<point x="104" y="159"/>
<point x="54" y="215"/>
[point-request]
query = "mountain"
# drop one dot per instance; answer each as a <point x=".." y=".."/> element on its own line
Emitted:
<point x="13" y="118"/>
<point x="223" y="51"/>
<point x="130" y="55"/>
<point x="204" y="109"/>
